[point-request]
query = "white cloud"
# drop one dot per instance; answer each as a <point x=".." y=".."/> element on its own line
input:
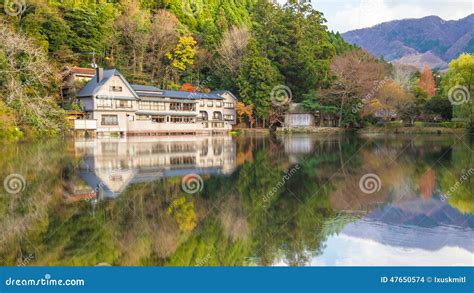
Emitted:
<point x="353" y="14"/>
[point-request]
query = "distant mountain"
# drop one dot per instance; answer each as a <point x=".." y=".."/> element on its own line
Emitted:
<point x="417" y="223"/>
<point x="429" y="40"/>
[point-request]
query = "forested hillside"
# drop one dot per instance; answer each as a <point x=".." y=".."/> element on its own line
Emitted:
<point x="256" y="49"/>
<point x="247" y="46"/>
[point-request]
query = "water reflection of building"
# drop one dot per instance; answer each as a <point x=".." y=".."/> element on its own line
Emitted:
<point x="298" y="144"/>
<point x="110" y="165"/>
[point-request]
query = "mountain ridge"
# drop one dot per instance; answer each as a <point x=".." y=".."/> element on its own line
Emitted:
<point x="428" y="40"/>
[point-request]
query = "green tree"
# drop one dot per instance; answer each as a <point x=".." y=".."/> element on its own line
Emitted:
<point x="458" y="84"/>
<point x="256" y="79"/>
<point x="439" y="105"/>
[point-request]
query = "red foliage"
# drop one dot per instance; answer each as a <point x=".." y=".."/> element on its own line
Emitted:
<point x="187" y="87"/>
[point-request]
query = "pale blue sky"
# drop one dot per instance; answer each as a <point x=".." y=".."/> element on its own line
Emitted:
<point x="345" y="15"/>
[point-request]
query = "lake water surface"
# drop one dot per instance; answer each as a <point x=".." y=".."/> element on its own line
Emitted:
<point x="223" y="200"/>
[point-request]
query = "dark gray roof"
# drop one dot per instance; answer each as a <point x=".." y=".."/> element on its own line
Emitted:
<point x="147" y="91"/>
<point x="92" y="86"/>
<point x="149" y="88"/>
<point x="152" y="91"/>
<point x="297" y="108"/>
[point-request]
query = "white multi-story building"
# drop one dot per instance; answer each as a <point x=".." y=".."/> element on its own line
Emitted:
<point x="112" y="105"/>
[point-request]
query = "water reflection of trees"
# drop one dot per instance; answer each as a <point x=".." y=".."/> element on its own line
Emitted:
<point x="228" y="223"/>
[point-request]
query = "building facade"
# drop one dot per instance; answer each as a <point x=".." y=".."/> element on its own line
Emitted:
<point x="298" y="116"/>
<point x="119" y="107"/>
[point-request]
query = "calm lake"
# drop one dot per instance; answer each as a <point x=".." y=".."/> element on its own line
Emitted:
<point x="223" y="200"/>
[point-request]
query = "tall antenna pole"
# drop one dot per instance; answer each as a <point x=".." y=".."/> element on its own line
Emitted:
<point x="93" y="64"/>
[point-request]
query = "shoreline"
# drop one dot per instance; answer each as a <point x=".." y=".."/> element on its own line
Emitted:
<point x="374" y="131"/>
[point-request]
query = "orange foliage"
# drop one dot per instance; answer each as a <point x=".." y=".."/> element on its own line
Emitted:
<point x="187" y="87"/>
<point x="427" y="183"/>
<point x="427" y="82"/>
<point x="244" y="111"/>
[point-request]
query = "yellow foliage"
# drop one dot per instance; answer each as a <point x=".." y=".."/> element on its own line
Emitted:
<point x="183" y="54"/>
<point x="184" y="213"/>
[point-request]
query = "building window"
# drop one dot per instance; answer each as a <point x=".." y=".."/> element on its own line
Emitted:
<point x="159" y="106"/>
<point x="158" y="119"/>
<point x="104" y="103"/>
<point x="182" y="107"/>
<point x="217" y="116"/>
<point x="229" y="117"/>
<point x="143" y="117"/>
<point x="228" y="105"/>
<point x="147" y="105"/>
<point x="218" y="150"/>
<point x="119" y="104"/>
<point x="187" y="160"/>
<point x="219" y="104"/>
<point x="109" y="120"/>
<point x="144" y="105"/>
<point x="202" y="103"/>
<point x="115" y="88"/>
<point x="209" y="103"/>
<point x="204" y="115"/>
<point x="182" y="120"/>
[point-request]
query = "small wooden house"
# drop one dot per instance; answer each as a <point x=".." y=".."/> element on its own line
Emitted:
<point x="298" y="116"/>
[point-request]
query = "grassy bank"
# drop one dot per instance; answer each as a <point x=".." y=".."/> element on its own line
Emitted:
<point x="320" y="130"/>
<point x="411" y="130"/>
<point x="372" y="130"/>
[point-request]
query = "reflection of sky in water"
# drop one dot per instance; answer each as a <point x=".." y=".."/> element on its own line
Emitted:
<point x="415" y="232"/>
<point x="344" y="250"/>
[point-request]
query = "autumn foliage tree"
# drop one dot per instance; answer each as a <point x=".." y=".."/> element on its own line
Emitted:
<point x="392" y="101"/>
<point x="427" y="82"/>
<point x="187" y="87"/>
<point x="245" y="112"/>
<point x="358" y="76"/>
